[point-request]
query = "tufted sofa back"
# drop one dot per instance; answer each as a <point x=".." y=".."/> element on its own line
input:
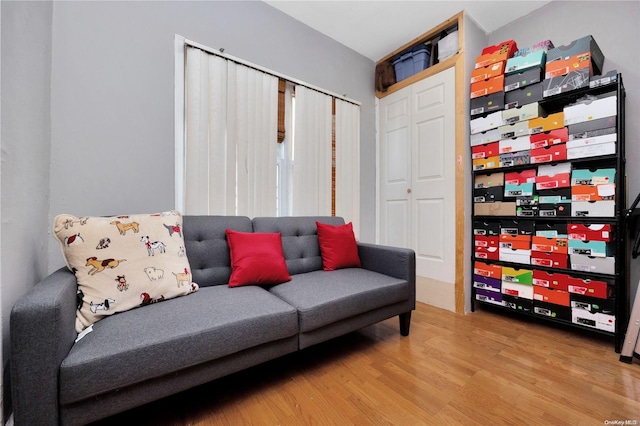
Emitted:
<point x="299" y="239"/>
<point x="208" y="252"/>
<point x="206" y="246"/>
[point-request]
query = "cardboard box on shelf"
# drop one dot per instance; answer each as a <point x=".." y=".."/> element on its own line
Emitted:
<point x="589" y="287"/>
<point x="517" y="290"/>
<point x="594" y="232"/>
<point x="593" y="192"/>
<point x="550" y="295"/>
<point x="518" y="178"/>
<point x="592" y="128"/>
<point x="601" y="176"/>
<point x="586" y="44"/>
<point x="565" y="65"/>
<point x="485" y="151"/>
<point x="515" y="255"/>
<point x="549" y="154"/>
<point x="575" y="79"/>
<point x="485" y="73"/>
<point x="496" y="53"/>
<point x="499" y="208"/>
<point x="486" y="163"/>
<point x="588" y="110"/>
<point x="591" y="304"/>
<point x="544" y="45"/>
<point x="551" y="176"/>
<point x="596" y="320"/>
<point x="487" y="87"/>
<point x="522" y="97"/>
<point x="488" y="194"/>
<point x="489" y="180"/>
<point x="523" y="79"/>
<point x="593" y="208"/>
<point x="517" y="227"/>
<point x="549" y="245"/>
<point x="521" y="143"/>
<point x="546" y="124"/>
<point x="522" y="113"/>
<point x="600" y="265"/>
<point x="521" y="63"/>
<point x="552" y="137"/>
<point x="517" y="303"/>
<point x="489" y="270"/>
<point x="486" y="253"/>
<point x="491" y="284"/>
<point x="488" y="296"/>
<point x="481" y="227"/>
<point x="552" y="230"/>
<point x="551" y="310"/>
<point x="604" y="80"/>
<point x="517" y="158"/>
<point x="592" y="147"/>
<point x="485" y="137"/>
<point x="517" y="275"/>
<point x="552" y="280"/>
<point x="517" y="242"/>
<point x="589" y="248"/>
<point x="514" y="130"/>
<point x="482" y="124"/>
<point x="486" y="104"/>
<point x="549" y="260"/>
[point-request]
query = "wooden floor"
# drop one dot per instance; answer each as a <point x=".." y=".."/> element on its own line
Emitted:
<point x="484" y="368"/>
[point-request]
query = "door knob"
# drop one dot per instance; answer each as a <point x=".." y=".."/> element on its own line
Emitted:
<point x="408" y="190"/>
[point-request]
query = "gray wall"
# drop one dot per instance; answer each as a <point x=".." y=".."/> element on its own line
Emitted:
<point x="615" y="25"/>
<point x="113" y="86"/>
<point x="25" y="136"/>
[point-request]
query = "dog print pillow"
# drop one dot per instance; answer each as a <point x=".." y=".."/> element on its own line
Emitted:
<point x="124" y="262"/>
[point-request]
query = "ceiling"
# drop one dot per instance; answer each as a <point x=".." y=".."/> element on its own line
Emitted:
<point x="376" y="28"/>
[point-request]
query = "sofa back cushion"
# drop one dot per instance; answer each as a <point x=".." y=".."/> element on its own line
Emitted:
<point x="299" y="239"/>
<point x="207" y="249"/>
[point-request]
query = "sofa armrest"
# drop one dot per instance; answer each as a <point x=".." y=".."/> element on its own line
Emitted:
<point x="393" y="261"/>
<point x="42" y="334"/>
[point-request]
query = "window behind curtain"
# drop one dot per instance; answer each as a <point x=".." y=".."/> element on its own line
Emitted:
<point x="231" y="129"/>
<point x="233" y="163"/>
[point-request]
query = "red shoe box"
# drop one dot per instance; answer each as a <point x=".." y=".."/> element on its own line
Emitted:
<point x="586" y="287"/>
<point x="548" y="154"/>
<point x="553" y="137"/>
<point x="497" y="53"/>
<point x="555" y="281"/>
<point x="548" y="295"/>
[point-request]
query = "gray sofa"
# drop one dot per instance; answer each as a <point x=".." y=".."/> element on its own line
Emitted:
<point x="145" y="354"/>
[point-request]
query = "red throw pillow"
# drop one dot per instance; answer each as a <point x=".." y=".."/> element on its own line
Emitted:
<point x="338" y="246"/>
<point x="256" y="258"/>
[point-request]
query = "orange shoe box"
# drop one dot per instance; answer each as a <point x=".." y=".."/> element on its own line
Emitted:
<point x="487" y="87"/>
<point x="488" y="270"/>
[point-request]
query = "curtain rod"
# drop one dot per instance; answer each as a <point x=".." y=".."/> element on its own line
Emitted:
<point x="220" y="52"/>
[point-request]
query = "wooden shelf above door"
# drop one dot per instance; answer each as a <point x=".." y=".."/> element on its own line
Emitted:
<point x="434" y="69"/>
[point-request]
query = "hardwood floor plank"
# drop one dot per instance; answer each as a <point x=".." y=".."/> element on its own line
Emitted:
<point x="483" y="368"/>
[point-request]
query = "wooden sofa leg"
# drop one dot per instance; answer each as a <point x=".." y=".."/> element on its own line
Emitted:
<point x="405" y="323"/>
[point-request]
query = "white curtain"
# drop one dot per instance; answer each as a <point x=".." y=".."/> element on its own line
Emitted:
<point x="348" y="163"/>
<point x="231" y="134"/>
<point x="311" y="153"/>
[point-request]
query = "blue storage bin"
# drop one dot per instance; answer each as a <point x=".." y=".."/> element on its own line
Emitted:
<point x="412" y="61"/>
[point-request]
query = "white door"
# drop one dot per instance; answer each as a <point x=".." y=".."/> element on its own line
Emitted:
<point x="395" y="169"/>
<point x="433" y="176"/>
<point x="417" y="174"/>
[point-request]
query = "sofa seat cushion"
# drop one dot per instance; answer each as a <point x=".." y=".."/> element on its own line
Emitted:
<point x="166" y="337"/>
<point x="324" y="297"/>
